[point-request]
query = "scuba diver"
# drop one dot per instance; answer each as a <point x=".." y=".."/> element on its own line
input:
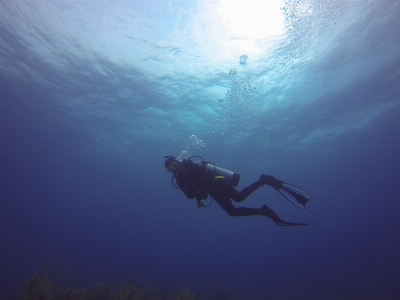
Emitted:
<point x="200" y="179"/>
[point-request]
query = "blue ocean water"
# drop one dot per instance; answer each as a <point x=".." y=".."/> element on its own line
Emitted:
<point x="94" y="93"/>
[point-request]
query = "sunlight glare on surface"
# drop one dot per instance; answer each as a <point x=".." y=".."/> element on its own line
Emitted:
<point x="236" y="27"/>
<point x="253" y="20"/>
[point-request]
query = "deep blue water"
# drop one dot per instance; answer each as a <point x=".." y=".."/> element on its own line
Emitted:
<point x="93" y="94"/>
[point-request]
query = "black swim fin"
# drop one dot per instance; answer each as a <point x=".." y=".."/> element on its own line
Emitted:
<point x="294" y="194"/>
<point x="269" y="213"/>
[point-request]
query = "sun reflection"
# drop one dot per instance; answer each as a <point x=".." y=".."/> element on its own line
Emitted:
<point x="230" y="28"/>
<point x="252" y="20"/>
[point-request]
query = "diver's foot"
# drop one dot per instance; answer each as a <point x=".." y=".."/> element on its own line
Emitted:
<point x="271" y="181"/>
<point x="269" y="213"/>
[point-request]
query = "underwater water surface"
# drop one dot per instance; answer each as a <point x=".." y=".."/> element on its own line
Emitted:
<point x="94" y="93"/>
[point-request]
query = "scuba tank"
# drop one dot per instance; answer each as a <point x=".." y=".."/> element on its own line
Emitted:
<point x="231" y="177"/>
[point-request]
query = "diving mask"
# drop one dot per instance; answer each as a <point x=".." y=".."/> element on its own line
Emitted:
<point x="173" y="167"/>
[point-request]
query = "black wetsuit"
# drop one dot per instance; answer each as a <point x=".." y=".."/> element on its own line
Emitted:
<point x="197" y="182"/>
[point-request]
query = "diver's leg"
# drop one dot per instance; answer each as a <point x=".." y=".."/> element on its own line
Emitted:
<point x="240" y="196"/>
<point x="227" y="206"/>
<point x="269" y="213"/>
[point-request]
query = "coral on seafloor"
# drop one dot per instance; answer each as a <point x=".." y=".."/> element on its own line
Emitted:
<point x="41" y="286"/>
<point x="185" y="294"/>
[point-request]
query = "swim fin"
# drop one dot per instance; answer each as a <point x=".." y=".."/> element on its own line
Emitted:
<point x="269" y="213"/>
<point x="294" y="194"/>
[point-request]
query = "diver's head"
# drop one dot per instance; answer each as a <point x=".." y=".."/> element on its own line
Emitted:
<point x="171" y="165"/>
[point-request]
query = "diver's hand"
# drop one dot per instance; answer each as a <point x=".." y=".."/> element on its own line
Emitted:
<point x="200" y="204"/>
